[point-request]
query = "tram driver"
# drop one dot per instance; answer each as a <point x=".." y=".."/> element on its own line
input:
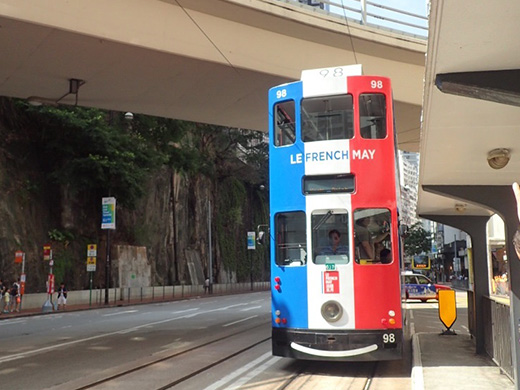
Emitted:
<point x="335" y="247"/>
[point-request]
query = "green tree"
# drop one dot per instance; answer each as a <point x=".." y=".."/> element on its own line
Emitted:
<point x="96" y="151"/>
<point x="417" y="240"/>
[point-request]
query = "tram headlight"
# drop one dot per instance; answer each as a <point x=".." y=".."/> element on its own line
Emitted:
<point x="331" y="311"/>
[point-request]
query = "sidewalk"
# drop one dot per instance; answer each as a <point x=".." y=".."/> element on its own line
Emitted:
<point x="448" y="362"/>
<point x="34" y="311"/>
<point x="69" y="308"/>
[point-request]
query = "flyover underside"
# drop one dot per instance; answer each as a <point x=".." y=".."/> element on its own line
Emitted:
<point x="194" y="63"/>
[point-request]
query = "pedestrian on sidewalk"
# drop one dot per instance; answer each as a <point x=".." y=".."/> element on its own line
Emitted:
<point x="62" y="296"/>
<point x="14" y="299"/>
<point x="5" y="299"/>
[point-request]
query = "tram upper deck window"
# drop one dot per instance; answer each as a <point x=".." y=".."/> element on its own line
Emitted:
<point x="291" y="241"/>
<point x="284" y="123"/>
<point x="330" y="238"/>
<point x="327" y="118"/>
<point x="372" y="236"/>
<point x="372" y="115"/>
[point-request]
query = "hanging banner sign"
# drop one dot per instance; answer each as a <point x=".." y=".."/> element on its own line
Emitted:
<point x="108" y="214"/>
<point x="22" y="284"/>
<point x="50" y="284"/>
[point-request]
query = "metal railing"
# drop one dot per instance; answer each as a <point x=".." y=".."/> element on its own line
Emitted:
<point x="370" y="13"/>
<point x="497" y="331"/>
<point x="129" y="295"/>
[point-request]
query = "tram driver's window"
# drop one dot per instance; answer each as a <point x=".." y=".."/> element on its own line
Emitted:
<point x="284" y="123"/>
<point x="291" y="239"/>
<point x="372" y="115"/>
<point x="330" y="236"/>
<point x="372" y="238"/>
<point x="327" y="118"/>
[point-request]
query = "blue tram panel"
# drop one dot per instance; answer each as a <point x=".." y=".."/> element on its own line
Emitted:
<point x="290" y="299"/>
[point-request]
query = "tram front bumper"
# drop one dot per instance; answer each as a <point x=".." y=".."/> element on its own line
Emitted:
<point x="351" y="345"/>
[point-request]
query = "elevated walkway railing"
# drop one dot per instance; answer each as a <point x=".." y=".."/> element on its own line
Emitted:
<point x="371" y="14"/>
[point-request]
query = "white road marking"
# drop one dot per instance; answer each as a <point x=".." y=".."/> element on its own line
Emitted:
<point x="417" y="370"/>
<point x="252" y="374"/>
<point x="246" y="368"/>
<point x="11" y="322"/>
<point x="236" y="322"/>
<point x="124" y="331"/>
<point x="120" y="312"/>
<point x="251" y="308"/>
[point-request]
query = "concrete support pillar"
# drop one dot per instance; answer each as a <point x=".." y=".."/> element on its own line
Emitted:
<point x="502" y="201"/>
<point x="475" y="226"/>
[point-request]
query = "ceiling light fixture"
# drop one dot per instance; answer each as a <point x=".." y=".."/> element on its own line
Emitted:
<point x="460" y="207"/>
<point x="498" y="158"/>
<point x="74" y="85"/>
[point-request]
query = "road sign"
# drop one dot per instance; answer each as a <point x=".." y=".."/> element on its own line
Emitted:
<point x="251" y="242"/>
<point x="91" y="264"/>
<point x="447" y="308"/>
<point x="47" y="252"/>
<point x="91" y="250"/>
<point x="108" y="217"/>
<point x="19" y="257"/>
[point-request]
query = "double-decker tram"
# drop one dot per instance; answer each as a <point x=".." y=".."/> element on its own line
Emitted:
<point x="335" y="251"/>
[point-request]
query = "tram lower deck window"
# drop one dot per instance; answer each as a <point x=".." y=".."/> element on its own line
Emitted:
<point x="291" y="238"/>
<point x="372" y="236"/>
<point x="330" y="236"/>
<point x="327" y="184"/>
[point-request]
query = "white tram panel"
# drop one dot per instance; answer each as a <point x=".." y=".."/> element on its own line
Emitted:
<point x="328" y="157"/>
<point x="328" y="81"/>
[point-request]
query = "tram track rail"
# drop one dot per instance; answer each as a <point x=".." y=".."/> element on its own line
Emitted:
<point x="98" y="383"/>
<point x="306" y="378"/>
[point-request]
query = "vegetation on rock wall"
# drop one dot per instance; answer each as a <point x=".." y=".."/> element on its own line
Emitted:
<point x="58" y="162"/>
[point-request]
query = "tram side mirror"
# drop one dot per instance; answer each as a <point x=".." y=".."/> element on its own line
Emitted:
<point x="260" y="238"/>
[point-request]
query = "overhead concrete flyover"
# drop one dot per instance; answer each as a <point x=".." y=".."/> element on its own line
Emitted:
<point x="209" y="61"/>
<point x="471" y="108"/>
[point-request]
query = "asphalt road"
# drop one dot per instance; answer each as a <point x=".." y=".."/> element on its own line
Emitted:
<point x="63" y="350"/>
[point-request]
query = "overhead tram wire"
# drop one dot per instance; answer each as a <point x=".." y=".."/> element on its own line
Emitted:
<point x="349" y="34"/>
<point x="207" y="36"/>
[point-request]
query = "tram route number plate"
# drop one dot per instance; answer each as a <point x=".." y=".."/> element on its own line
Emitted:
<point x="330" y="267"/>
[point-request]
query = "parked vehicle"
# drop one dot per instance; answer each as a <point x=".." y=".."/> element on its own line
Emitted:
<point x="417" y="286"/>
